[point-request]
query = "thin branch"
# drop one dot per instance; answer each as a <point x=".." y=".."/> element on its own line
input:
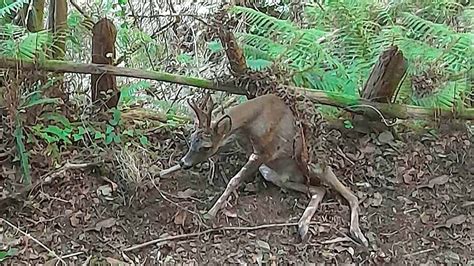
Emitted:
<point x="388" y="110"/>
<point x="34" y="239"/>
<point x="212" y="230"/>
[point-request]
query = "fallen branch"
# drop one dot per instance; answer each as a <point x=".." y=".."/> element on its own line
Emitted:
<point x="320" y="97"/>
<point x="34" y="239"/>
<point x="48" y="178"/>
<point x="212" y="230"/>
<point x="170" y="170"/>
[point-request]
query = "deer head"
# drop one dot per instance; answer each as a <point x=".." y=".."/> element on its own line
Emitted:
<point x="207" y="137"/>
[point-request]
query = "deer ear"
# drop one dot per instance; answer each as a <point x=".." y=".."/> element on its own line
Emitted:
<point x="223" y="125"/>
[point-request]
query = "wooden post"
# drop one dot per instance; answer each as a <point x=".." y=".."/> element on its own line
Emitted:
<point x="381" y="86"/>
<point x="104" y="86"/>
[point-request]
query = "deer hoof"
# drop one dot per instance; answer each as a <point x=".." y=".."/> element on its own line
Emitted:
<point x="303" y="232"/>
<point x="209" y="216"/>
<point x="357" y="235"/>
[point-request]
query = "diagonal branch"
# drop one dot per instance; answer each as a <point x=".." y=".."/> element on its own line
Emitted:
<point x="351" y="104"/>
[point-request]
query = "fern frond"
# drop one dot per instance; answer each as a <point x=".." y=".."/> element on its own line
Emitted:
<point x="270" y="48"/>
<point x="10" y="7"/>
<point x="447" y="97"/>
<point x="16" y="41"/>
<point x="267" y="26"/>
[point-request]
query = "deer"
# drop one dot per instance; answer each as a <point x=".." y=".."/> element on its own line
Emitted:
<point x="267" y="125"/>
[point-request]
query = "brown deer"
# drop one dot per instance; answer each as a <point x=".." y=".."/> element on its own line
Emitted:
<point x="268" y="124"/>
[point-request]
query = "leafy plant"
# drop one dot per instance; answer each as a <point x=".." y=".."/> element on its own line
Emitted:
<point x="9" y="253"/>
<point x="340" y="44"/>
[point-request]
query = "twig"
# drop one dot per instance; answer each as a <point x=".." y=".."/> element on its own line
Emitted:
<point x="34" y="239"/>
<point x="87" y="261"/>
<point x="48" y="178"/>
<point x="170" y="170"/>
<point x="418" y="252"/>
<point x="72" y="255"/>
<point x="212" y="230"/>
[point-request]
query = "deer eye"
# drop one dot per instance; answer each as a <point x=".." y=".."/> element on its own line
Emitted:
<point x="204" y="148"/>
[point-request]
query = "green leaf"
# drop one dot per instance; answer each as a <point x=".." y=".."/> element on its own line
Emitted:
<point x="98" y="135"/>
<point x="109" y="129"/>
<point x="258" y="64"/>
<point x="41" y="101"/>
<point x="48" y="138"/>
<point x="117" y="139"/>
<point x="109" y="138"/>
<point x="9" y="253"/>
<point x="348" y="124"/>
<point x="80" y="135"/>
<point x="56" y="117"/>
<point x="184" y="58"/>
<point x="116" y="115"/>
<point x="128" y="132"/>
<point x="215" y="46"/>
<point x="144" y="140"/>
<point x="24" y="157"/>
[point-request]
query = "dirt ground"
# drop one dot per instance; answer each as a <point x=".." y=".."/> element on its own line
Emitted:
<point x="416" y="194"/>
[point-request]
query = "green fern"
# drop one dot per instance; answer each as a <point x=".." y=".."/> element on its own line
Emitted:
<point x="365" y="29"/>
<point x="15" y="41"/>
<point x="10" y="7"/>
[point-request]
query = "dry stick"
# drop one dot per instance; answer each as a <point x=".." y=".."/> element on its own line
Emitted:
<point x="48" y="178"/>
<point x="212" y="230"/>
<point x="170" y="170"/>
<point x="34" y="239"/>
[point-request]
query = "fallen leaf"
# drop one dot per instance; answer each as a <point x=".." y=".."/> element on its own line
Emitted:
<point x="117" y="262"/>
<point x="450" y="256"/>
<point x="74" y="221"/>
<point x="180" y="217"/>
<point x="440" y="180"/>
<point x="336" y="240"/>
<point x="467" y="204"/>
<point x="105" y="190"/>
<point x="377" y="200"/>
<point x="186" y="194"/>
<point x="457" y="220"/>
<point x="104" y="224"/>
<point x="340" y="249"/>
<point x="425" y="218"/>
<point x="385" y="137"/>
<point x="230" y="214"/>
<point x="262" y="244"/>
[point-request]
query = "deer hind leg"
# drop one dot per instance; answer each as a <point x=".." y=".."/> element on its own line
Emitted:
<point x="328" y="176"/>
<point x="317" y="195"/>
<point x="249" y="168"/>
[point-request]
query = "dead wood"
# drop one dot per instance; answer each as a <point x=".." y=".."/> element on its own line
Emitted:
<point x="104" y="86"/>
<point x="360" y="106"/>
<point x="381" y="86"/>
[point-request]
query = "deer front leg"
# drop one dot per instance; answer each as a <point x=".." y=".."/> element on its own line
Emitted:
<point x="249" y="168"/>
<point x="328" y="176"/>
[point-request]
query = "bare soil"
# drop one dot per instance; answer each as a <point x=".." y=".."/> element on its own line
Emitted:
<point x="416" y="194"/>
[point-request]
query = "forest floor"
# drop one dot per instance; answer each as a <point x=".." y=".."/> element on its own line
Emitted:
<point x="416" y="194"/>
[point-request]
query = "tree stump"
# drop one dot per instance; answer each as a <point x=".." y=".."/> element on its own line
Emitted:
<point x="381" y="86"/>
<point x="104" y="87"/>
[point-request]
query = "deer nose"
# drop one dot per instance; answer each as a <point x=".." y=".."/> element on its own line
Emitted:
<point x="183" y="164"/>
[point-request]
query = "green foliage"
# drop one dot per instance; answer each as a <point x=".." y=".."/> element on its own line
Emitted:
<point x="337" y="49"/>
<point x="10" y="7"/>
<point x="22" y="153"/>
<point x="128" y="92"/>
<point x="9" y="253"/>
<point x="15" y="41"/>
